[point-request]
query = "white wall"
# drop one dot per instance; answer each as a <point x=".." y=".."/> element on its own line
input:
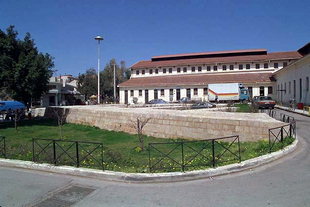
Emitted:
<point x="204" y="68"/>
<point x="296" y="71"/>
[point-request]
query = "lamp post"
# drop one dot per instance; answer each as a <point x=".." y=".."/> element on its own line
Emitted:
<point x="98" y="38"/>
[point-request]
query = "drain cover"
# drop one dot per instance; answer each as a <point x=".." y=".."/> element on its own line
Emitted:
<point x="66" y="197"/>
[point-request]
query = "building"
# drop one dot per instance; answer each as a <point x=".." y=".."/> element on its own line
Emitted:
<point x="62" y="91"/>
<point x="292" y="81"/>
<point x="171" y="77"/>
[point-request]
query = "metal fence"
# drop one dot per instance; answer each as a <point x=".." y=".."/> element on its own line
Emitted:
<point x="281" y="134"/>
<point x="67" y="152"/>
<point x="184" y="155"/>
<point x="2" y="147"/>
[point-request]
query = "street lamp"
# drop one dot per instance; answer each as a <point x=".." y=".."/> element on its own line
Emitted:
<point x="98" y="38"/>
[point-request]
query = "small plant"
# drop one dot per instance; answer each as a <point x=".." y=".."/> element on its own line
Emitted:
<point x="61" y="116"/>
<point x="138" y="124"/>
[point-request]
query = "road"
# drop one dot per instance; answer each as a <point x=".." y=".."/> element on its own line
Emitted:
<point x="285" y="182"/>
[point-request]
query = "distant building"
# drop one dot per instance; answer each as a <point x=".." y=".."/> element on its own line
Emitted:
<point x="292" y="81"/>
<point x="62" y="91"/>
<point x="171" y="77"/>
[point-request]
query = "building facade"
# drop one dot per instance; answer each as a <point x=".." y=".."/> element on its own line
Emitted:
<point x="171" y="77"/>
<point x="62" y="91"/>
<point x="292" y="82"/>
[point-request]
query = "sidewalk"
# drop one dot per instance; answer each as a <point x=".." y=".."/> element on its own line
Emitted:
<point x="297" y="111"/>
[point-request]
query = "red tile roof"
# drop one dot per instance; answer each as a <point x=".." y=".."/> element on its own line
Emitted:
<point x="213" y="60"/>
<point x="199" y="79"/>
<point x="210" y="53"/>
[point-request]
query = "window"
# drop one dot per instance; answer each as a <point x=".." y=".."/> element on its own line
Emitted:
<point x="140" y="92"/>
<point x="269" y="89"/>
<point x="170" y="70"/>
<point x="240" y="67"/>
<point x="307" y="83"/>
<point x="266" y="65"/>
<point x="289" y="87"/>
<point x="276" y="65"/>
<point x="224" y="67"/>
<point x="156" y="71"/>
<point x="205" y="91"/>
<point x="137" y="72"/>
<point x="300" y="89"/>
<point x="247" y="66"/>
<point x="193" y="69"/>
<point x="143" y="72"/>
<point x="179" y="70"/>
<point x="151" y="71"/>
<point x="171" y="92"/>
<point x="131" y="92"/>
<point x="257" y="66"/>
<point x="51" y="87"/>
<point x="199" y="69"/>
<point x="284" y="64"/>
<point x="195" y="91"/>
<point x="162" y="92"/>
<point x="231" y="67"/>
<point x="250" y="89"/>
<point x="164" y="70"/>
<point x="208" y="68"/>
<point x="184" y="69"/>
<point x="215" y="68"/>
<point x="294" y="89"/>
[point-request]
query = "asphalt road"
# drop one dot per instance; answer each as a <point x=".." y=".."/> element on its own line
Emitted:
<point x="285" y="182"/>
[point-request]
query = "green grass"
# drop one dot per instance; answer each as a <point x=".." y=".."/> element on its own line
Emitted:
<point x="245" y="108"/>
<point x="120" y="149"/>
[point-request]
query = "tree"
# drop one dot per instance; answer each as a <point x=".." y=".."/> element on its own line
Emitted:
<point x="106" y="76"/>
<point x="138" y="124"/>
<point x="24" y="71"/>
<point x="87" y="83"/>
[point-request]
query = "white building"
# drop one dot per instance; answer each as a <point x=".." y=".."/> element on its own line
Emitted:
<point x="171" y="77"/>
<point x="62" y="91"/>
<point x="292" y="82"/>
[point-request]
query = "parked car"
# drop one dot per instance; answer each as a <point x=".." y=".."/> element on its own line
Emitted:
<point x="186" y="100"/>
<point x="157" y="101"/>
<point x="201" y="105"/>
<point x="263" y="102"/>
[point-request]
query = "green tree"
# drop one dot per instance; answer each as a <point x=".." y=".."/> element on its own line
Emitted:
<point x="24" y="71"/>
<point x="107" y="77"/>
<point x="87" y="83"/>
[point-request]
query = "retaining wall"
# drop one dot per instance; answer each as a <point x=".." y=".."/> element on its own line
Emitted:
<point x="192" y="124"/>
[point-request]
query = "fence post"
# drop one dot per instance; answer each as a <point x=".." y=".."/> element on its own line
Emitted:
<point x="182" y="155"/>
<point x="77" y="154"/>
<point x="213" y="154"/>
<point x="102" y="165"/>
<point x="150" y="158"/>
<point x="269" y="141"/>
<point x="290" y="130"/>
<point x="239" y="149"/>
<point x="4" y="145"/>
<point x="33" y="157"/>
<point x="54" y="152"/>
<point x="281" y="134"/>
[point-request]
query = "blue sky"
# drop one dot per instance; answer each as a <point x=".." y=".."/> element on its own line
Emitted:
<point x="137" y="30"/>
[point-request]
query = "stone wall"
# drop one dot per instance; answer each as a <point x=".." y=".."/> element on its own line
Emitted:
<point x="192" y="124"/>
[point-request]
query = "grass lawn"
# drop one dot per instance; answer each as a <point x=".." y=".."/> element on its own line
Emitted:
<point x="245" y="108"/>
<point x="121" y="152"/>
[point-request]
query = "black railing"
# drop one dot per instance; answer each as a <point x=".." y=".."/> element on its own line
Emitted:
<point x="2" y="147"/>
<point x="184" y="155"/>
<point x="281" y="134"/>
<point x="68" y="152"/>
<point x="286" y="118"/>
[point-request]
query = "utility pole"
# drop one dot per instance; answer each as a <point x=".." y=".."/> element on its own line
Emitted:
<point x="98" y="38"/>
<point x="114" y="84"/>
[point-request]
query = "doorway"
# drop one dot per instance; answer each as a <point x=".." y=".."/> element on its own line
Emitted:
<point x="146" y="97"/>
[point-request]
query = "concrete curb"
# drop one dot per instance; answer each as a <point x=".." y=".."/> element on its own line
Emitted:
<point x="295" y="112"/>
<point x="151" y="177"/>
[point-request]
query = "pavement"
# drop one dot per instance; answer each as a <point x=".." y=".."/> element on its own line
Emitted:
<point x="285" y="182"/>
